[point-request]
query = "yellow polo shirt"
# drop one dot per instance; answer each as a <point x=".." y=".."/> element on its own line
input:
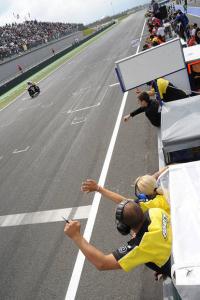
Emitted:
<point x="159" y="201"/>
<point x="154" y="245"/>
<point x="162" y="86"/>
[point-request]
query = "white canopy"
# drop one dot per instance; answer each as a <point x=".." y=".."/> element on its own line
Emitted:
<point x="180" y="124"/>
<point x="181" y="185"/>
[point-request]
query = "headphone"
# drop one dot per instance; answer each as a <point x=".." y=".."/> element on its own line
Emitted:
<point x="140" y="196"/>
<point x="121" y="227"/>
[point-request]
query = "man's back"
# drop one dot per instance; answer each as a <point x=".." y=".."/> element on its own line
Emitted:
<point x="151" y="245"/>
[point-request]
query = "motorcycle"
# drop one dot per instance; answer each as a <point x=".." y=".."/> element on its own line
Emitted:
<point x="33" y="90"/>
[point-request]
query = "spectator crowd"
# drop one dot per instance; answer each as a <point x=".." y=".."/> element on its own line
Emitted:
<point x="165" y="23"/>
<point x="168" y="23"/>
<point x="17" y="38"/>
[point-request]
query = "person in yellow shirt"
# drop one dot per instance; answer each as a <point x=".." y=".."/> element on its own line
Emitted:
<point x="148" y="223"/>
<point x="152" y="242"/>
<point x="167" y="91"/>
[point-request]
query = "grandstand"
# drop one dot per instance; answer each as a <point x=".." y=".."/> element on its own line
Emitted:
<point x="18" y="38"/>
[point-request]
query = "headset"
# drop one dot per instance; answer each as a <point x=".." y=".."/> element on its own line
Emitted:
<point x="121" y="227"/>
<point x="140" y="196"/>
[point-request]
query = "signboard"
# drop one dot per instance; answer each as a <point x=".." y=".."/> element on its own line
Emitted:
<point x="151" y="64"/>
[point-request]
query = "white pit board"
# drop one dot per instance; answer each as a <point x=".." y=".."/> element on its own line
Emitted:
<point x="192" y="53"/>
<point x="159" y="61"/>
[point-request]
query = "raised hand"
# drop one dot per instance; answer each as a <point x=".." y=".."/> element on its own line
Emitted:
<point x="89" y="185"/>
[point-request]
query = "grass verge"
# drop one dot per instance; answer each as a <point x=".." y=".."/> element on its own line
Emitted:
<point x="88" y="31"/>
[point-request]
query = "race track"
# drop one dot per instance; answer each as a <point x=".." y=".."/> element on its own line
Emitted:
<point x="49" y="145"/>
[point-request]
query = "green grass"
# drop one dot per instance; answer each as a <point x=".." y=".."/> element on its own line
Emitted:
<point x="10" y="96"/>
<point x="88" y="31"/>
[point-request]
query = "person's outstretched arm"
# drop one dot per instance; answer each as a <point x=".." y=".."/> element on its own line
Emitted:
<point x="91" y="185"/>
<point x="127" y="117"/>
<point x="96" y="257"/>
<point x="134" y="113"/>
<point x="158" y="173"/>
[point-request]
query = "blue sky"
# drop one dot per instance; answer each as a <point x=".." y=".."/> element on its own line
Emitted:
<point x="82" y="11"/>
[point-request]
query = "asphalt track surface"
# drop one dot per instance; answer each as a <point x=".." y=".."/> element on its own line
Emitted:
<point x="49" y="145"/>
<point x="9" y="69"/>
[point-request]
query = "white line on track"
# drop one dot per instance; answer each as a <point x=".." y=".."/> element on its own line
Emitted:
<point x="138" y="48"/>
<point x="47" y="216"/>
<point x="23" y="150"/>
<point x="75" y="278"/>
<point x="78" y="267"/>
<point x="102" y="98"/>
<point x="84" y="108"/>
<point x="89" y="107"/>
<point x="78" y="122"/>
<point x="114" y="84"/>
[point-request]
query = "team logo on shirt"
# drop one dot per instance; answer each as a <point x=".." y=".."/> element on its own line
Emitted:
<point x="164" y="225"/>
<point x="123" y="249"/>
